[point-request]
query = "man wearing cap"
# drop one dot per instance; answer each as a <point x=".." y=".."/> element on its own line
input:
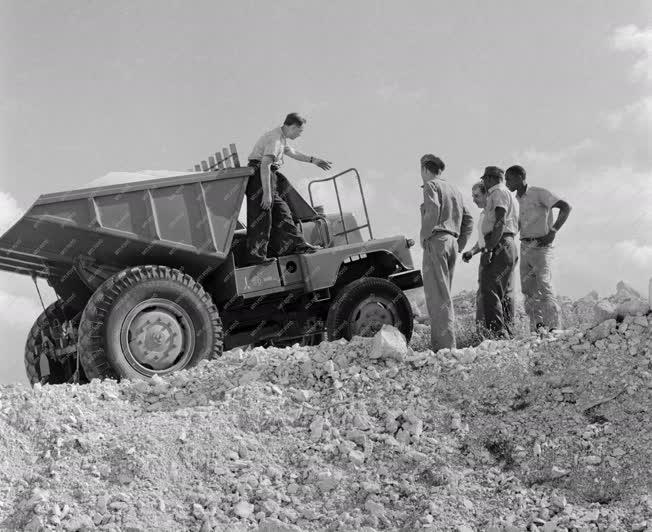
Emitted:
<point x="538" y="231"/>
<point x="445" y="228"/>
<point x="499" y="257"/>
<point x="270" y="228"/>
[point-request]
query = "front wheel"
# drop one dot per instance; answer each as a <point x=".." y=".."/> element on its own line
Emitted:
<point x="365" y="305"/>
<point x="146" y="321"/>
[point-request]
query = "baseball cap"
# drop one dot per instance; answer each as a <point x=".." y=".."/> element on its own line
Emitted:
<point x="493" y="171"/>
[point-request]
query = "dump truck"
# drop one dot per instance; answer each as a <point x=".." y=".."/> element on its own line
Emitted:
<point x="151" y="277"/>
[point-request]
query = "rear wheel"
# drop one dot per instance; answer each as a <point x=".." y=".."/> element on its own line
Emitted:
<point x="55" y="326"/>
<point x="146" y="321"/>
<point x="365" y="305"/>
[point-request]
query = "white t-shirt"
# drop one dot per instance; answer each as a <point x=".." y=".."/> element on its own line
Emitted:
<point x="272" y="143"/>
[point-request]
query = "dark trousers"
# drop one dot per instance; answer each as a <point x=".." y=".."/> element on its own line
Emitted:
<point x="509" y="305"/>
<point x="496" y="273"/>
<point x="270" y="232"/>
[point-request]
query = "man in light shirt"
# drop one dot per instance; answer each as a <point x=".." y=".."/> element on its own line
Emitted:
<point x="270" y="228"/>
<point x="499" y="257"/>
<point x="538" y="231"/>
<point x="445" y="228"/>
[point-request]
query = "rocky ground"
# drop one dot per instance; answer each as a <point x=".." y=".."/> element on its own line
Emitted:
<point x="551" y="433"/>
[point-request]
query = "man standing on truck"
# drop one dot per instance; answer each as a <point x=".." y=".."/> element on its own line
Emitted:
<point x="271" y="231"/>
<point x="445" y="228"/>
<point x="538" y="231"/>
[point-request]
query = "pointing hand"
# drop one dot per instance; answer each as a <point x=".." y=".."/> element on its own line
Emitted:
<point x="324" y="165"/>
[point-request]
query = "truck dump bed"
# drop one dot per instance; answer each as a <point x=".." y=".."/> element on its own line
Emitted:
<point x="184" y="220"/>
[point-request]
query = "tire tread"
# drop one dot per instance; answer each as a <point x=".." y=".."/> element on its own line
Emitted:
<point x="93" y="356"/>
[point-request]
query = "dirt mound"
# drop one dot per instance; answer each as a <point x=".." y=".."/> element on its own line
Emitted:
<point x="551" y="433"/>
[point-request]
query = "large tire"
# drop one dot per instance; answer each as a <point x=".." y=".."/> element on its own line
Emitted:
<point x="146" y="321"/>
<point x="48" y="325"/>
<point x="364" y="305"/>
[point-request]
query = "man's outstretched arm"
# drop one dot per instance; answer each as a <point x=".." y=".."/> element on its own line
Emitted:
<point x="296" y="154"/>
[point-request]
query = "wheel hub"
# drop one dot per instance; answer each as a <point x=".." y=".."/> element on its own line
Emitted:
<point x="158" y="335"/>
<point x="370" y="315"/>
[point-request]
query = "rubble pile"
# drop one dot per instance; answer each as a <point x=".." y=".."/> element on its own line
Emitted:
<point x="592" y="309"/>
<point x="539" y="433"/>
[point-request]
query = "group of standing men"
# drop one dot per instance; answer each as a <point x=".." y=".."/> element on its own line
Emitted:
<point x="446" y="226"/>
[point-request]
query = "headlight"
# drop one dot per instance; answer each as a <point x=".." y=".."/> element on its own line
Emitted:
<point x="409" y="242"/>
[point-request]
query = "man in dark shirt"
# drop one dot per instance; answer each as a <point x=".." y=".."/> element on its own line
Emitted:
<point x="445" y="228"/>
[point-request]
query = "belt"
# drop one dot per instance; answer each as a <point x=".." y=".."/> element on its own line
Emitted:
<point x="255" y="163"/>
<point x="504" y="235"/>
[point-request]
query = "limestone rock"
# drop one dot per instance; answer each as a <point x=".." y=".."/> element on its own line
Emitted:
<point x="389" y="343"/>
<point x="633" y="307"/>
<point x="602" y="330"/>
<point x="604" y="310"/>
<point x="244" y="509"/>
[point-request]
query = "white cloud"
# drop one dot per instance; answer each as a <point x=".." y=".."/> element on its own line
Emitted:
<point x="19" y="313"/>
<point x="19" y="310"/>
<point x="637" y="114"/>
<point x="631" y="38"/>
<point x="10" y="212"/>
<point x="640" y="255"/>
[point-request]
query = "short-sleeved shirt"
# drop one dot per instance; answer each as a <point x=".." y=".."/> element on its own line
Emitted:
<point x="500" y="196"/>
<point x="272" y="143"/>
<point x="535" y="207"/>
<point x="443" y="210"/>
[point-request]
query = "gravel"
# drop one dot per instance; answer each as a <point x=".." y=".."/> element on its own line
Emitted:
<point x="537" y="433"/>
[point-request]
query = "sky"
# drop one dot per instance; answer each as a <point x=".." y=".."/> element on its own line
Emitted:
<point x="563" y="88"/>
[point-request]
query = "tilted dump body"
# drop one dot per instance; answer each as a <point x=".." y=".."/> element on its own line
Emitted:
<point x="185" y="221"/>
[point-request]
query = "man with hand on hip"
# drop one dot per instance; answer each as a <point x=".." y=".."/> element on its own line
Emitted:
<point x="538" y="232"/>
<point x="445" y="228"/>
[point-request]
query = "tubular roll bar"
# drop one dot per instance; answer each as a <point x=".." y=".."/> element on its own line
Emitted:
<point x="345" y="232"/>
